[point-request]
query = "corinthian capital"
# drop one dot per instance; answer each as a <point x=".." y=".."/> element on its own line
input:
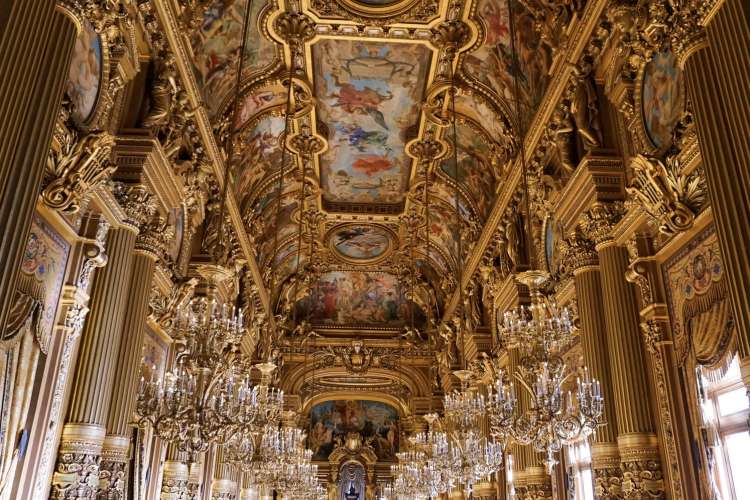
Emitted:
<point x="689" y="30"/>
<point x="154" y="236"/>
<point x="136" y="201"/>
<point x="598" y="222"/>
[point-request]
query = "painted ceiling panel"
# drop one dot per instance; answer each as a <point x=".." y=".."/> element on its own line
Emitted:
<point x="369" y="96"/>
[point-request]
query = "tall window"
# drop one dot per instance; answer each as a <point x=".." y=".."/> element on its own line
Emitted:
<point x="725" y="410"/>
<point x="579" y="463"/>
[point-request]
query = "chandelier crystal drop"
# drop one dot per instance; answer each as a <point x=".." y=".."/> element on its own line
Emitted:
<point x="554" y="417"/>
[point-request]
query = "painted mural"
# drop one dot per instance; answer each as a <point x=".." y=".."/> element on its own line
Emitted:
<point x="357" y="298"/>
<point x="361" y="241"/>
<point x="368" y="95"/>
<point x="287" y="223"/>
<point x="85" y="73"/>
<point x="177" y="221"/>
<point x="258" y="101"/>
<point x="475" y="169"/>
<point x="493" y="63"/>
<point x="376" y="422"/>
<point x="45" y="259"/>
<point x="216" y="45"/>
<point x="260" y="155"/>
<point x="476" y="108"/>
<point x="663" y="98"/>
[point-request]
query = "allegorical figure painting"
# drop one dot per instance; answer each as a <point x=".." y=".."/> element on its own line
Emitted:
<point x="360" y="242"/>
<point x="357" y="298"/>
<point x="368" y="95"/>
<point x="663" y="98"/>
<point x="84" y="75"/>
<point x="376" y="422"/>
<point x="493" y="63"/>
<point x="216" y="45"/>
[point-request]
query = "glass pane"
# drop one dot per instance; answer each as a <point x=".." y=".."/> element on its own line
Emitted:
<point x="738" y="451"/>
<point x="732" y="402"/>
<point x="588" y="485"/>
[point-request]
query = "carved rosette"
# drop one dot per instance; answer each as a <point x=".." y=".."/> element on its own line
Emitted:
<point x="113" y="470"/>
<point x="77" y="472"/>
<point x="136" y="201"/>
<point x="174" y="484"/>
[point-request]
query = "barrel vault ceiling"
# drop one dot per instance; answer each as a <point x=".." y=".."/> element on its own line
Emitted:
<point x="369" y="127"/>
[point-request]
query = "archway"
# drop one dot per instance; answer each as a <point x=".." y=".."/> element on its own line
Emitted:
<point x="352" y="481"/>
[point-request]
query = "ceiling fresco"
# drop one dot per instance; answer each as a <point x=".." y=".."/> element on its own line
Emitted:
<point x="370" y="84"/>
<point x="368" y="97"/>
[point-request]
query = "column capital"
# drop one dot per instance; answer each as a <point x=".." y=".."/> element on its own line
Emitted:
<point x="137" y="202"/>
<point x="153" y="237"/>
<point x="689" y="30"/>
<point x="600" y="219"/>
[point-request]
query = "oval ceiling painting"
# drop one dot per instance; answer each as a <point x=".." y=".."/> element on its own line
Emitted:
<point x="360" y="242"/>
<point x="85" y="74"/>
<point x="662" y="98"/>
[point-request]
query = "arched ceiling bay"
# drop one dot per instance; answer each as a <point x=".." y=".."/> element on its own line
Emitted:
<point x="370" y="113"/>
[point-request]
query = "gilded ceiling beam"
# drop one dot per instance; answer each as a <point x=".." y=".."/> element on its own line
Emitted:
<point x="178" y="46"/>
<point x="559" y="84"/>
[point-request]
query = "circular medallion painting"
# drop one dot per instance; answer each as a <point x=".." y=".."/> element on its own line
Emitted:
<point x="662" y="98"/>
<point x="85" y="74"/>
<point x="360" y="242"/>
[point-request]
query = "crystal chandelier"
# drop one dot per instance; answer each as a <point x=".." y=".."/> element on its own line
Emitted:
<point x="554" y="417"/>
<point x="208" y="389"/>
<point x="282" y="463"/>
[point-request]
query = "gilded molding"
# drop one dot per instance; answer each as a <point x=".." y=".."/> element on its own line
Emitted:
<point x="77" y="471"/>
<point x="598" y="222"/>
<point x="669" y="196"/>
<point x="137" y="202"/>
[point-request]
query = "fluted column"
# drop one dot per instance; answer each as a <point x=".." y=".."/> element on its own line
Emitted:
<point x="716" y="63"/>
<point x="605" y="457"/>
<point x="639" y="453"/>
<point x="519" y="452"/>
<point x="175" y="476"/>
<point x="114" y="467"/>
<point x="36" y="49"/>
<point x="77" y="470"/>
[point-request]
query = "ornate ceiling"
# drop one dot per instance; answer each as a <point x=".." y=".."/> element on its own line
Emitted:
<point x="369" y="127"/>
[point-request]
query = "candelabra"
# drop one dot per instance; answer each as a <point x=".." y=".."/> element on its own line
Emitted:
<point x="554" y="418"/>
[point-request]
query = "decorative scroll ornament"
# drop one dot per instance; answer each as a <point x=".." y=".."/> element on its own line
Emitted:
<point x="670" y="197"/>
<point x="642" y="480"/>
<point x="76" y="166"/>
<point x="295" y="28"/>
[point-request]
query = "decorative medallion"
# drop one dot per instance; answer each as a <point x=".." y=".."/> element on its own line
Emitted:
<point x="361" y="243"/>
<point x="662" y="98"/>
<point x="85" y="74"/>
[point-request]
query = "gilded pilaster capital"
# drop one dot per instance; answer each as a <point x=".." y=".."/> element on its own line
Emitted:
<point x="223" y="489"/>
<point x="174" y="484"/>
<point x="136" y="201"/>
<point x="689" y="32"/>
<point x="598" y="222"/>
<point x="578" y="253"/>
<point x="154" y="236"/>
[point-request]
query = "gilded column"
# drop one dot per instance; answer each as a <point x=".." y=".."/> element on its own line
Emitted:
<point x="175" y="476"/>
<point x="113" y="470"/>
<point x="637" y="443"/>
<point x="36" y="51"/>
<point x="79" y="455"/>
<point x="195" y="481"/>
<point x="605" y="457"/>
<point x="716" y="63"/>
<point x="519" y="453"/>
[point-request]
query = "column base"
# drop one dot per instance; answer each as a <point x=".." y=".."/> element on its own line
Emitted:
<point x="174" y="484"/>
<point x="605" y="464"/>
<point x="113" y="471"/>
<point x="642" y="477"/>
<point x="77" y="471"/>
<point x="538" y="484"/>
<point x="223" y="489"/>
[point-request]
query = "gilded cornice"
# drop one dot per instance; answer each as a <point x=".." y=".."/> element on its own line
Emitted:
<point x="182" y="57"/>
